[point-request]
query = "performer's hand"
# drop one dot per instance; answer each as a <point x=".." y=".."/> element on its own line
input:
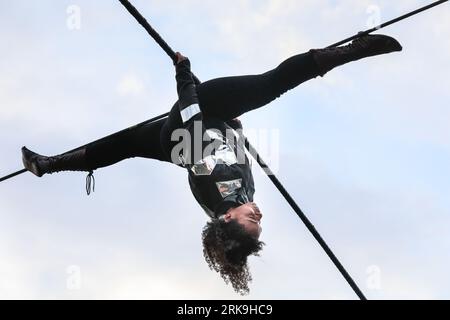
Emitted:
<point x="180" y="57"/>
<point x="235" y="123"/>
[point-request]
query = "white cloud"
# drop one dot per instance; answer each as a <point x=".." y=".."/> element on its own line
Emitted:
<point x="130" y="85"/>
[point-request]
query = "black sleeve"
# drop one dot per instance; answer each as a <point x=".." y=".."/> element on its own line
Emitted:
<point x="187" y="93"/>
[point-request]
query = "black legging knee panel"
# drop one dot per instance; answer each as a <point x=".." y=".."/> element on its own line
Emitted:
<point x="223" y="98"/>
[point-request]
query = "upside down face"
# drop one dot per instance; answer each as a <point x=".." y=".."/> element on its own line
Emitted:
<point x="247" y="215"/>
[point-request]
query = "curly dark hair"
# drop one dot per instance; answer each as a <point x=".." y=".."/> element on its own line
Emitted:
<point x="226" y="247"/>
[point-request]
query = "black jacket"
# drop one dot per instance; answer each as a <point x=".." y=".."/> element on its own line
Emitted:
<point x="214" y="154"/>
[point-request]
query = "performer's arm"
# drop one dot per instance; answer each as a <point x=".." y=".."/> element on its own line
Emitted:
<point x="187" y="94"/>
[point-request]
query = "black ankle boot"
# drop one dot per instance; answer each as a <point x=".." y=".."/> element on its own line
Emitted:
<point x="363" y="47"/>
<point x="40" y="165"/>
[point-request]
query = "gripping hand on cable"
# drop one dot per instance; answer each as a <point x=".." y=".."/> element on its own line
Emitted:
<point x="187" y="93"/>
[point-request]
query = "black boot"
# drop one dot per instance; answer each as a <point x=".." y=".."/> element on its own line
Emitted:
<point x="40" y="165"/>
<point x="365" y="46"/>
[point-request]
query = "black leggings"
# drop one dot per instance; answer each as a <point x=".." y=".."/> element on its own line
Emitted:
<point x="223" y="98"/>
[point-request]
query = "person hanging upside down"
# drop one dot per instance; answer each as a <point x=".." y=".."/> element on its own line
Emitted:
<point x="221" y="179"/>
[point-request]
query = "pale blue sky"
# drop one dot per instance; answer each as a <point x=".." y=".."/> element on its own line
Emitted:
<point x="364" y="151"/>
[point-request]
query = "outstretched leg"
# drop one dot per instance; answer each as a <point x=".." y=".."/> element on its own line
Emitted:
<point x="230" y="97"/>
<point x="141" y="141"/>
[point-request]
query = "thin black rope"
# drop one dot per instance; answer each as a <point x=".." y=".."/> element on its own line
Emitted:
<point x="305" y="220"/>
<point x="388" y="23"/>
<point x="12" y="175"/>
<point x="153" y="33"/>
